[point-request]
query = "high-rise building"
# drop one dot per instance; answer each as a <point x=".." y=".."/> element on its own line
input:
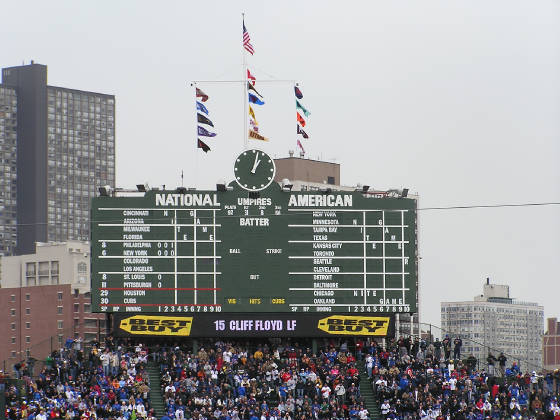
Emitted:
<point x="494" y="322"/>
<point x="65" y="152"/>
<point x="8" y="170"/>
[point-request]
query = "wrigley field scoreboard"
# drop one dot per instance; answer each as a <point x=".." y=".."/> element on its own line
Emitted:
<point x="253" y="248"/>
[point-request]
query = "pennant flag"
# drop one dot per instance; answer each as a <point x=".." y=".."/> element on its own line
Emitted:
<point x="251" y="87"/>
<point x="256" y="136"/>
<point x="252" y="78"/>
<point x="300" y="146"/>
<point x="247" y="41"/>
<point x="254" y="100"/>
<point x="202" y="119"/>
<point x="203" y="132"/>
<point x="254" y="125"/>
<point x="201" y="108"/>
<point x="203" y="146"/>
<point x="252" y="114"/>
<point x="303" y="133"/>
<point x="300" y="119"/>
<point x="299" y="95"/>
<point x="300" y="106"/>
<point x="202" y="95"/>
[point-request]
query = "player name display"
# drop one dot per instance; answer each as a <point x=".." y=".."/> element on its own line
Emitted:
<point x="241" y="251"/>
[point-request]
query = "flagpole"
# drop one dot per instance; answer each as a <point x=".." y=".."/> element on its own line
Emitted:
<point x="244" y="77"/>
<point x="196" y="140"/>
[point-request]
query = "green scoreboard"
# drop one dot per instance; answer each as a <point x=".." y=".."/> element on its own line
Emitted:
<point x="252" y="249"/>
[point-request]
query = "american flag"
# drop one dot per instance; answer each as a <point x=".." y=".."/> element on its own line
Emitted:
<point x="247" y="40"/>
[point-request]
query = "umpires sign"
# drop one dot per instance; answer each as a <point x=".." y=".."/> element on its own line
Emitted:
<point x="252" y="325"/>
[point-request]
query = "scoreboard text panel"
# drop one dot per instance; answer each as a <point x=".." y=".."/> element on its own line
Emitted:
<point x="208" y="251"/>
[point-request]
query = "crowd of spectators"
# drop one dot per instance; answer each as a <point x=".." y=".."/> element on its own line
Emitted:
<point x="281" y="380"/>
<point x="230" y="381"/>
<point x="106" y="381"/>
<point x="418" y="380"/>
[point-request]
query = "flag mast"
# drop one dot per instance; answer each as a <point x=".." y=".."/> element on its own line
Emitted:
<point x="244" y="78"/>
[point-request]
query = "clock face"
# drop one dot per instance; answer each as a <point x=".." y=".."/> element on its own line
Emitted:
<point x="254" y="170"/>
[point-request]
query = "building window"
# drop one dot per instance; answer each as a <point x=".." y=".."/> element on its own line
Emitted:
<point x="60" y="338"/>
<point x="13" y="353"/>
<point x="60" y="324"/>
<point x="27" y="339"/>
<point x="13" y="298"/>
<point x="27" y="297"/>
<point x="76" y="307"/>
<point x="82" y="268"/>
<point x="12" y="312"/>
<point x="13" y="326"/>
<point x="90" y="323"/>
<point x="59" y="295"/>
<point x="13" y="340"/>
<point x="330" y="180"/>
<point x="28" y="325"/>
<point x="27" y="311"/>
<point x="30" y="270"/>
<point x="76" y="322"/>
<point x="87" y="308"/>
<point x="59" y="310"/>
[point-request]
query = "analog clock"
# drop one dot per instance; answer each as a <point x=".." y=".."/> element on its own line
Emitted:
<point x="254" y="170"/>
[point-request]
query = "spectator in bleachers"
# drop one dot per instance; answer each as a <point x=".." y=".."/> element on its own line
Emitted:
<point x="73" y="385"/>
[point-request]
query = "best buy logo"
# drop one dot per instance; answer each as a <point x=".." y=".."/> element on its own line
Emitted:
<point x="157" y="325"/>
<point x="355" y="325"/>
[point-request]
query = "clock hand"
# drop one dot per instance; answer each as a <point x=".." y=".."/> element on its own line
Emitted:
<point x="257" y="162"/>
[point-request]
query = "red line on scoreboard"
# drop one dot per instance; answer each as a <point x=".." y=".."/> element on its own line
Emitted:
<point x="159" y="288"/>
<point x="162" y="304"/>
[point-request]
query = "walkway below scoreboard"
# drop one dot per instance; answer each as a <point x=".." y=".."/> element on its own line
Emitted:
<point x="207" y="251"/>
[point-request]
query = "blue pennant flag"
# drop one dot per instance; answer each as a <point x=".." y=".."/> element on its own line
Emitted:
<point x="254" y="100"/>
<point x="201" y="107"/>
<point x="204" y="132"/>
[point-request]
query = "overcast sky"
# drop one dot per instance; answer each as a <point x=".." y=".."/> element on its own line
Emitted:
<point x="457" y="100"/>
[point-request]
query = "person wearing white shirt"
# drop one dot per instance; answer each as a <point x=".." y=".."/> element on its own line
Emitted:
<point x="369" y="365"/>
<point x="514" y="404"/>
<point x="452" y="383"/>
<point x="380" y="382"/>
<point x="363" y="414"/>
<point x="170" y="389"/>
<point x="385" y="407"/>
<point x="226" y="355"/>
<point x="141" y="409"/>
<point x="179" y="414"/>
<point x="326" y="392"/>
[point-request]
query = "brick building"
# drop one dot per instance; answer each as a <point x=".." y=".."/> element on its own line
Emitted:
<point x="45" y="298"/>
<point x="551" y="345"/>
<point x="39" y="319"/>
